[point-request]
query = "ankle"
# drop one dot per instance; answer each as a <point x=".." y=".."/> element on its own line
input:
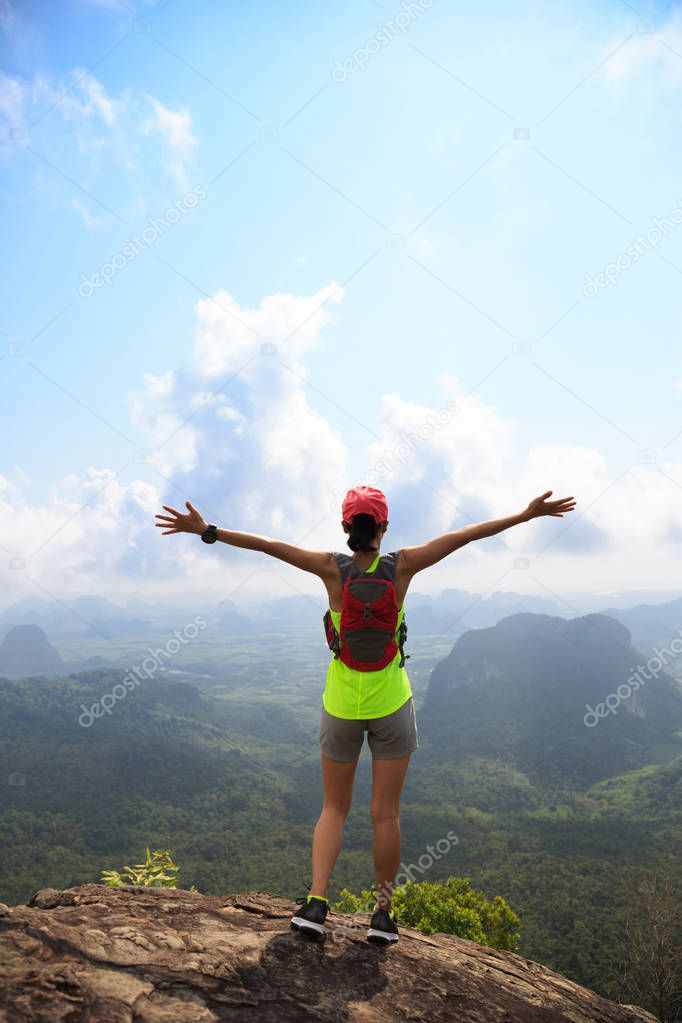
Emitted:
<point x="383" y="895"/>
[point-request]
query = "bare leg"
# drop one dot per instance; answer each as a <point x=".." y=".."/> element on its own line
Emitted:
<point x="387" y="783"/>
<point x="337" y="778"/>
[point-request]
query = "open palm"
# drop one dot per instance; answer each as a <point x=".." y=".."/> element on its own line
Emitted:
<point x="177" y="522"/>
<point x="541" y="506"/>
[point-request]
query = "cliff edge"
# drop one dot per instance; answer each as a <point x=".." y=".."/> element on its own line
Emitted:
<point x="141" y="955"/>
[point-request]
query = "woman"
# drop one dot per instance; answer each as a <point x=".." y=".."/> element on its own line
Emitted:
<point x="367" y="688"/>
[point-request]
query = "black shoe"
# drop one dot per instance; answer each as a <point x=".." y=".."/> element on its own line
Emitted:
<point x="382" y="928"/>
<point x="311" y="917"/>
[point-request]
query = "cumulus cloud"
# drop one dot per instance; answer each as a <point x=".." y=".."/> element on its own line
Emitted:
<point x="237" y="431"/>
<point x="229" y="336"/>
<point x="236" y="424"/>
<point x="446" y="464"/>
<point x="233" y="430"/>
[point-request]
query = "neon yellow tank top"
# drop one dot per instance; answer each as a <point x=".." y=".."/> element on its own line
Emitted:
<point x="357" y="695"/>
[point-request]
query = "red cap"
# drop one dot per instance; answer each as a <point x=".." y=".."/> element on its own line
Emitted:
<point x="365" y="501"/>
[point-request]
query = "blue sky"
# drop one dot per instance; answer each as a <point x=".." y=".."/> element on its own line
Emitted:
<point x="410" y="230"/>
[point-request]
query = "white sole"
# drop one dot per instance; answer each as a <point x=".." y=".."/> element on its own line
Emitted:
<point x="384" y="936"/>
<point x="307" y="925"/>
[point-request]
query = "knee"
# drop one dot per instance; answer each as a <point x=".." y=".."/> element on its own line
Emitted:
<point x="338" y="808"/>
<point x="382" y="813"/>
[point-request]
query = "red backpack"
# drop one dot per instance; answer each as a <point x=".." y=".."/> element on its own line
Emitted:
<point x="366" y="639"/>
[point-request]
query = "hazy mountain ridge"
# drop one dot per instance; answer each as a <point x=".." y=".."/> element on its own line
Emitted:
<point x="651" y="624"/>
<point x="453" y="612"/>
<point x="522" y="688"/>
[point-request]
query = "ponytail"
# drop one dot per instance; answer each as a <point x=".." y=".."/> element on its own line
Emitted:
<point x="363" y="532"/>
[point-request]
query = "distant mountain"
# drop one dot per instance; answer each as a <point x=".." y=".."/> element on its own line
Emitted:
<point x="456" y="611"/>
<point x="4" y="629"/>
<point x="86" y="615"/>
<point x="233" y="623"/>
<point x="651" y="624"/>
<point x="294" y="612"/>
<point x="522" y="691"/>
<point x="25" y="650"/>
<point x="453" y="611"/>
<point x="118" y="627"/>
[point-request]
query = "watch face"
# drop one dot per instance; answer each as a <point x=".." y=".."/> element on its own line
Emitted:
<point x="209" y="535"/>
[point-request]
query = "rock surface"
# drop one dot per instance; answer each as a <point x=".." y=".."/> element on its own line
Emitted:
<point x="140" y="955"/>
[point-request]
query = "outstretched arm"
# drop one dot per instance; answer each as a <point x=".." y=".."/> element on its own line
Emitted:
<point x="317" y="562"/>
<point x="414" y="559"/>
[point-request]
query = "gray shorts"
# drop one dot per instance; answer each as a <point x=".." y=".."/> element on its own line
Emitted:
<point x="389" y="737"/>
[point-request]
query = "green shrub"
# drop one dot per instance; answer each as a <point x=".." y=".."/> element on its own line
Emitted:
<point x="450" y="907"/>
<point x="158" y="871"/>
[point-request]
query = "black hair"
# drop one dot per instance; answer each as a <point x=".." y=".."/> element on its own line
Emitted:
<point x="363" y="532"/>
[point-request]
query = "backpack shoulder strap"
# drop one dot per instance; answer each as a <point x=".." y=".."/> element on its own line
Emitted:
<point x="387" y="566"/>
<point x="347" y="565"/>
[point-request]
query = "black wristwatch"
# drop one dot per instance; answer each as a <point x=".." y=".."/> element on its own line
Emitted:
<point x="210" y="534"/>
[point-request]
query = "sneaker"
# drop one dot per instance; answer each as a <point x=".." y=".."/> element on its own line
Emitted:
<point x="312" y="915"/>
<point x="383" y="928"/>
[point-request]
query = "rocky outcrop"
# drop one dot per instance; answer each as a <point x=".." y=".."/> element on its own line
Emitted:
<point x="140" y="955"/>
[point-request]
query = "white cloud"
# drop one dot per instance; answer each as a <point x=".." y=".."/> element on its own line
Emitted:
<point x="175" y="127"/>
<point x="461" y="459"/>
<point x="651" y="58"/>
<point x="229" y="337"/>
<point x="12" y="98"/>
<point x="256" y="453"/>
<point x="80" y="98"/>
<point x="115" y="6"/>
<point x="93" y="135"/>
<point x="106" y="107"/>
<point x="88" y="219"/>
<point x="246" y="415"/>
<point x="7" y="15"/>
<point x="238" y="433"/>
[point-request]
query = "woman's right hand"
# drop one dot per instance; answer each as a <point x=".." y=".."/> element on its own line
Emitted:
<point x="541" y="506"/>
<point x="177" y="522"/>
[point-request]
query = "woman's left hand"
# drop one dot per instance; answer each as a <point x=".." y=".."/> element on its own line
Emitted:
<point x="176" y="522"/>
